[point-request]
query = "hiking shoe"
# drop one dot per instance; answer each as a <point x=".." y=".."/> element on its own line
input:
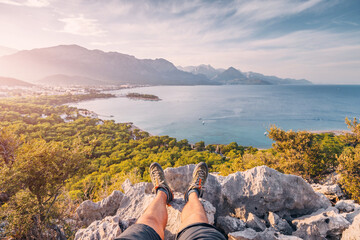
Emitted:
<point x="198" y="180"/>
<point x="159" y="181"/>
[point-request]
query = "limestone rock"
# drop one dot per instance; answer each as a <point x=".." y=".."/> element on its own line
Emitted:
<point x="106" y="229"/>
<point x="268" y="234"/>
<point x="352" y="215"/>
<point x="89" y="211"/>
<point x="229" y="224"/>
<point x="174" y="214"/>
<point x="248" y="195"/>
<point x="353" y="232"/>
<point x="255" y="223"/>
<point x="247" y="234"/>
<point x="346" y="205"/>
<point x="279" y="224"/>
<point x="261" y="190"/>
<point x="332" y="192"/>
<point x="180" y="178"/>
<point x="321" y="224"/>
<point x="135" y="201"/>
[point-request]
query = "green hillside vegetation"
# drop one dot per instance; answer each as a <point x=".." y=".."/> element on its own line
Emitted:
<point x="52" y="158"/>
<point x="142" y="96"/>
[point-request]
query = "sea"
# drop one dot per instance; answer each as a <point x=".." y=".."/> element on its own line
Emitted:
<point x="232" y="113"/>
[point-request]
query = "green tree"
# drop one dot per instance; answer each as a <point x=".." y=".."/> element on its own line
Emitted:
<point x="349" y="162"/>
<point x="39" y="172"/>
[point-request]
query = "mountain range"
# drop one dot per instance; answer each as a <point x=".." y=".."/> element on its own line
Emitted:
<point x="236" y="77"/>
<point x="75" y="65"/>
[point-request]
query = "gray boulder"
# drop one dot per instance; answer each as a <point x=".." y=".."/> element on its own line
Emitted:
<point x="268" y="234"/>
<point x="279" y="224"/>
<point x="320" y="225"/>
<point x="133" y="204"/>
<point x="261" y="190"/>
<point x="347" y="205"/>
<point x="89" y="211"/>
<point x="229" y="224"/>
<point x="106" y="229"/>
<point x="353" y="232"/>
<point x="255" y="223"/>
<point x="332" y="192"/>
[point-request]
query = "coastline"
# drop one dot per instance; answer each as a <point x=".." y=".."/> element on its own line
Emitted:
<point x="335" y="132"/>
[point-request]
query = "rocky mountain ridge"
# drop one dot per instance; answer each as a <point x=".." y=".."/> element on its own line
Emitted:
<point x="235" y="76"/>
<point x="89" y="67"/>
<point x="260" y="204"/>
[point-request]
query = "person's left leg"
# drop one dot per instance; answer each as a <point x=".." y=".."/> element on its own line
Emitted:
<point x="151" y="225"/>
<point x="156" y="215"/>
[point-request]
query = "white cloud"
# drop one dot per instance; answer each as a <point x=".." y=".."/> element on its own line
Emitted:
<point x="82" y="26"/>
<point x="27" y="3"/>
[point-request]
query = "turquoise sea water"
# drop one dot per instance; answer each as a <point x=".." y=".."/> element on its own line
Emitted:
<point x="224" y="114"/>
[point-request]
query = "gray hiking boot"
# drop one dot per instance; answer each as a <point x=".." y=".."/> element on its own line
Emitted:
<point x="159" y="181"/>
<point x="198" y="180"/>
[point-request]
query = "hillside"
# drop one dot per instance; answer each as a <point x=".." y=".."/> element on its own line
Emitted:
<point x="109" y="67"/>
<point x="64" y="80"/>
<point x="5" y="81"/>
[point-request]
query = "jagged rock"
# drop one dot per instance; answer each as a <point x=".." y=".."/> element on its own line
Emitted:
<point x="179" y="179"/>
<point x="353" y="232"/>
<point x="268" y="234"/>
<point x="243" y="235"/>
<point x="229" y="224"/>
<point x="332" y="192"/>
<point x="136" y="199"/>
<point x="346" y="205"/>
<point x="106" y="229"/>
<point x="352" y="215"/>
<point x="248" y="195"/>
<point x="261" y="190"/>
<point x="279" y="224"/>
<point x="89" y="211"/>
<point x="321" y="224"/>
<point x="255" y="223"/>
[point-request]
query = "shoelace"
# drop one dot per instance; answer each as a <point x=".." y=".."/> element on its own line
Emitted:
<point x="156" y="174"/>
<point x="201" y="175"/>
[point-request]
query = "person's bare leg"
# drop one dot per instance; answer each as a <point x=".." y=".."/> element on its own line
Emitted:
<point x="193" y="212"/>
<point x="156" y="215"/>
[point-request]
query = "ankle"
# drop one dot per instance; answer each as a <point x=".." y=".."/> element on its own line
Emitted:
<point x="164" y="192"/>
<point x="193" y="193"/>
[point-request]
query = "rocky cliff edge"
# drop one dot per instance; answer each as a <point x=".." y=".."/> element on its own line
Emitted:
<point x="257" y="204"/>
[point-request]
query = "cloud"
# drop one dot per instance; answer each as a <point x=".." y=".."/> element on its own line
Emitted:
<point x="82" y="26"/>
<point x="28" y="3"/>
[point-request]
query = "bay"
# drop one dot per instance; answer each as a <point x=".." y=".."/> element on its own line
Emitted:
<point x="232" y="113"/>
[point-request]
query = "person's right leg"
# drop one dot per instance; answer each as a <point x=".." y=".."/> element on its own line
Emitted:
<point x="194" y="222"/>
<point x="193" y="212"/>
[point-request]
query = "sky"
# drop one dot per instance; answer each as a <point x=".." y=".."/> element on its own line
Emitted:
<point x="318" y="40"/>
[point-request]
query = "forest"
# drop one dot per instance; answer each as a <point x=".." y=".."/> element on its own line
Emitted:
<point x="52" y="158"/>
